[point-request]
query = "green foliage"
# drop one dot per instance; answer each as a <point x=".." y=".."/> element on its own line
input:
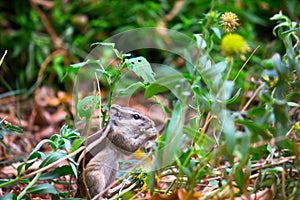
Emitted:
<point x="245" y="126"/>
<point x="142" y="68"/>
<point x="111" y="76"/>
<point x="78" y="24"/>
<point x="8" y="128"/>
<point x="61" y="144"/>
<point x="169" y="143"/>
<point x="268" y="120"/>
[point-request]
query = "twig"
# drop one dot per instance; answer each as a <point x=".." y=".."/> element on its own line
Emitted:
<point x="124" y="191"/>
<point x="175" y="10"/>
<point x="244" y="65"/>
<point x="55" y="39"/>
<point x="263" y="142"/>
<point x="85" y="150"/>
<point x="100" y="100"/>
<point x="279" y="162"/>
<point x="115" y="182"/>
<point x="46" y="3"/>
<point x="52" y="164"/>
<point x="252" y="97"/>
<point x="283" y="184"/>
<point x="42" y="169"/>
<point x="45" y="64"/>
<point x="3" y="119"/>
<point x="1" y="61"/>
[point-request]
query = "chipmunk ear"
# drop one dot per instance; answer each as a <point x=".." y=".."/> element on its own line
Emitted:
<point x="114" y="111"/>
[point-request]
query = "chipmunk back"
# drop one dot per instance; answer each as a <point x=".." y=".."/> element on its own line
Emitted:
<point x="126" y="131"/>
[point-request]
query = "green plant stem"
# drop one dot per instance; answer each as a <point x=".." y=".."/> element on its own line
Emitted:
<point x="34" y="180"/>
<point x="229" y="70"/>
<point x="113" y="84"/>
<point x="193" y="183"/>
<point x="17" y="179"/>
<point x="170" y="187"/>
<point x="112" y="88"/>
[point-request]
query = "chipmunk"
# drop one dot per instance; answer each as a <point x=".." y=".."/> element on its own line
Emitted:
<point x="126" y="131"/>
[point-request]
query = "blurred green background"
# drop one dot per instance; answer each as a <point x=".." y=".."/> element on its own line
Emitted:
<point x="58" y="33"/>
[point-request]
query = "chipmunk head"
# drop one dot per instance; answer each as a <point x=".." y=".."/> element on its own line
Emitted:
<point x="131" y="128"/>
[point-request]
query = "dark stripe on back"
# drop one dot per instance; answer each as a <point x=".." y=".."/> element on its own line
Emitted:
<point x="89" y="155"/>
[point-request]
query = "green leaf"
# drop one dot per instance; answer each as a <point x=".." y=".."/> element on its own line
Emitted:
<point x="255" y="129"/>
<point x="217" y="32"/>
<point x="41" y="143"/>
<point x="130" y="89"/>
<point x="36" y="154"/>
<point x="30" y="67"/>
<point x="243" y="148"/>
<point x="279" y="65"/>
<point x="67" y="144"/>
<point x="73" y="166"/>
<point x="197" y="90"/>
<point x="238" y="177"/>
<point x="281" y="118"/>
<point x="292" y="104"/>
<point x="273" y="170"/>
<point x="68" y="133"/>
<point x="187" y="171"/>
<point x="54" y="137"/>
<point x="191" y="133"/>
<point x="74" y="68"/>
<point x="171" y="137"/>
<point x="228" y="88"/>
<point x="20" y="167"/>
<point x="232" y="99"/>
<point x="211" y="73"/>
<point x="87" y="104"/>
<point x="201" y="43"/>
<point x="33" y="157"/>
<point x="188" y="62"/>
<point x="230" y="139"/>
<point x="279" y="16"/>
<point x="142" y="68"/>
<point x="194" y="134"/>
<point x="10" y="127"/>
<point x="76" y="144"/>
<point x="52" y="158"/>
<point x="112" y="47"/>
<point x="109" y="44"/>
<point x="9" y="196"/>
<point x="162" y="85"/>
<point x="57" y="172"/>
<point x="44" y="188"/>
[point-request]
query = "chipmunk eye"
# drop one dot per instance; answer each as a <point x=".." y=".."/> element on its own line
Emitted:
<point x="136" y="116"/>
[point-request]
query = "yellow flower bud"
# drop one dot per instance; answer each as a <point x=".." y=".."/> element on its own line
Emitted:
<point x="233" y="44"/>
